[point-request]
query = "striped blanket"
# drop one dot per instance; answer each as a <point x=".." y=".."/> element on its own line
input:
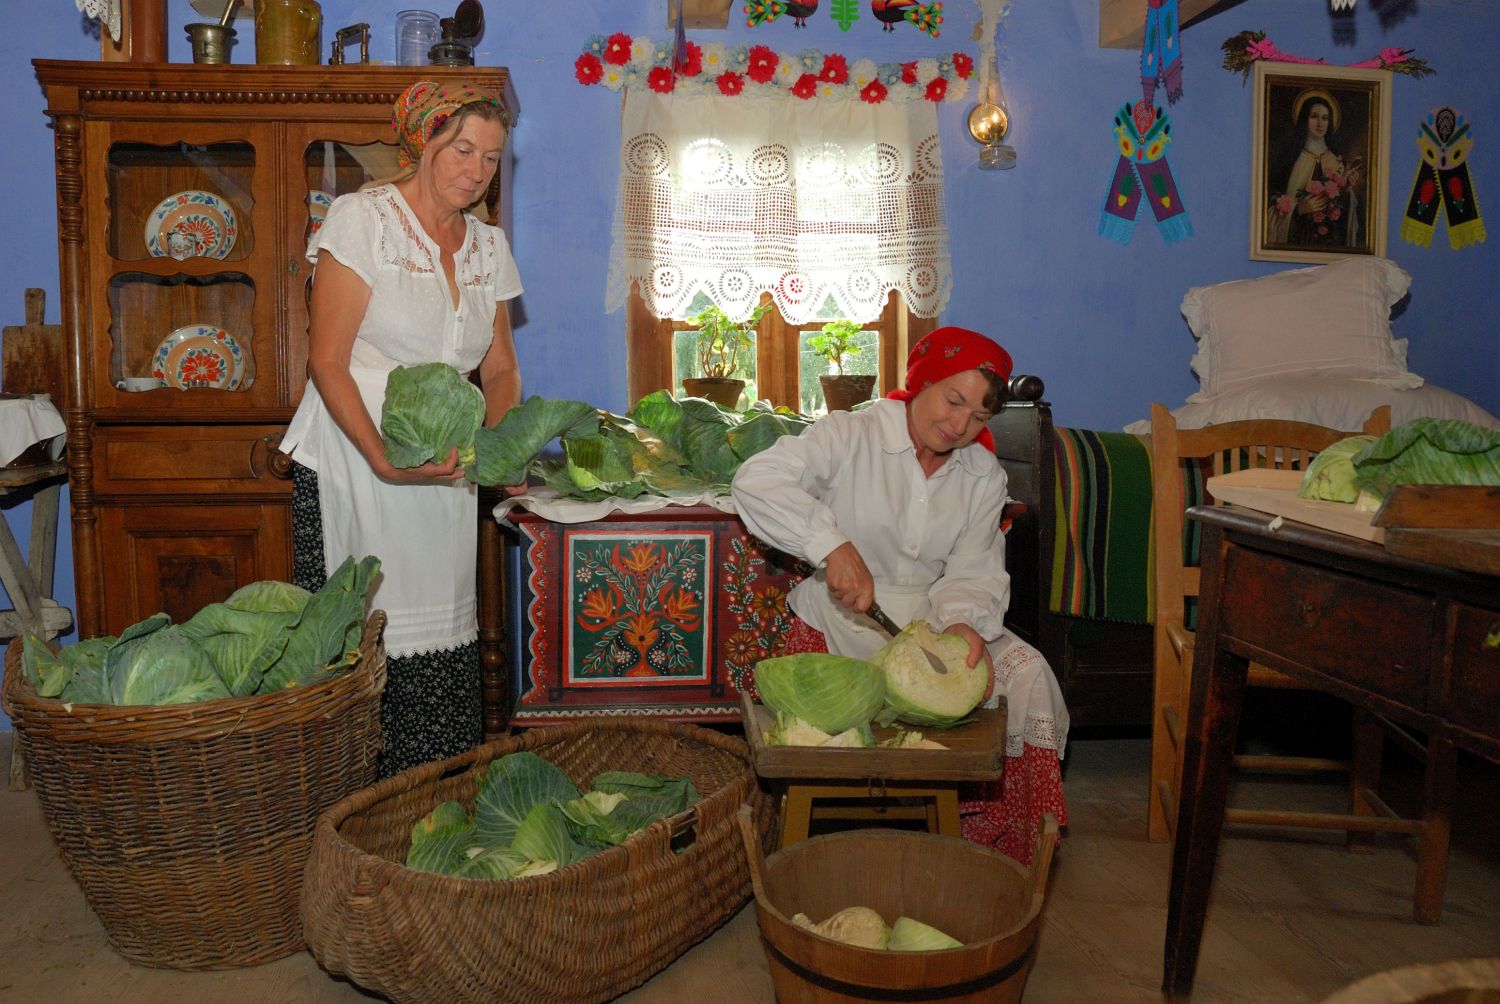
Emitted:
<point x="1101" y="567"/>
<point x="1102" y="551"/>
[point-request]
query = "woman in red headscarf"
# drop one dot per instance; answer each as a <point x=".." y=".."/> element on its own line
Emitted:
<point x="900" y="502"/>
<point x="407" y="272"/>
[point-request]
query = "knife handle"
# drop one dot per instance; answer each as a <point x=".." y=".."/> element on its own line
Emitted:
<point x="879" y="617"/>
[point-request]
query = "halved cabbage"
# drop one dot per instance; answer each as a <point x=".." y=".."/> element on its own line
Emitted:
<point x="829" y="692"/>
<point x="908" y="935"/>
<point x="914" y="692"/>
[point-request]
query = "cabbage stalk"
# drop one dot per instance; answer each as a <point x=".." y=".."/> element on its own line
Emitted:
<point x="829" y="692"/>
<point x="919" y="696"/>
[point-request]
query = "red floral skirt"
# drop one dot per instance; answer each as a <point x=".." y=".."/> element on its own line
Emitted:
<point x="1004" y="814"/>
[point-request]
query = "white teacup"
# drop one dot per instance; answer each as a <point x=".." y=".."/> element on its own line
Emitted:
<point x="135" y="384"/>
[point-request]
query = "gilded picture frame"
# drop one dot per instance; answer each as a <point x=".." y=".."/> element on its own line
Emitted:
<point x="1320" y="162"/>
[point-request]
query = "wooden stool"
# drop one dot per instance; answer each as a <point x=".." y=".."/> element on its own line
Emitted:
<point x="868" y="781"/>
<point x="940" y="810"/>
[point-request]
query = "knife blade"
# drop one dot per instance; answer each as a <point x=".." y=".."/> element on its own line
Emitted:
<point x="887" y="625"/>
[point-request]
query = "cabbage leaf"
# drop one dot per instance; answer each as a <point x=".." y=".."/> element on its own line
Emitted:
<point x="1430" y="451"/>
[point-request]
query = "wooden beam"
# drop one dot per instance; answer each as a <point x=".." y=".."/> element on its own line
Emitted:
<point x="1122" y="23"/>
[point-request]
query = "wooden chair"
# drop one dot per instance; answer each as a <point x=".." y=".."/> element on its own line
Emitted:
<point x="1284" y="445"/>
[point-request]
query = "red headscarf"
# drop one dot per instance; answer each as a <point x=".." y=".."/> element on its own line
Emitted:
<point x="947" y="351"/>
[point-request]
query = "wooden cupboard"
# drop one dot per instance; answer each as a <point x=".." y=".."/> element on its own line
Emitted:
<point x="186" y="196"/>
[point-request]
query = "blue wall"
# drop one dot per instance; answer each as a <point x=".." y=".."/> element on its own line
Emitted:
<point x="1098" y="321"/>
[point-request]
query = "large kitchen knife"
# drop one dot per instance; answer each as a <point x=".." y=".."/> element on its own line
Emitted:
<point x="887" y="625"/>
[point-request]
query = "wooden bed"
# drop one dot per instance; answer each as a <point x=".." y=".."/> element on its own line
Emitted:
<point x="1104" y="667"/>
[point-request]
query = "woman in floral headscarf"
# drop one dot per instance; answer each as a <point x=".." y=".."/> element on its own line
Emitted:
<point x="407" y="273"/>
<point x="901" y="502"/>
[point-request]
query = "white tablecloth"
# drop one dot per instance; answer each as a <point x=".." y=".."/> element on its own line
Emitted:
<point x="546" y="503"/>
<point x="25" y="421"/>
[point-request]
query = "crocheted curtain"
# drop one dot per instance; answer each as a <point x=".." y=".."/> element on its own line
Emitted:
<point x="806" y="200"/>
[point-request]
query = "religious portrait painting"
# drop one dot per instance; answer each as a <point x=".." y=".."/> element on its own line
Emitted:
<point x="1320" y="157"/>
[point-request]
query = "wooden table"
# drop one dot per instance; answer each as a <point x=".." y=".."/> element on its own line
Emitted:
<point x="1417" y="642"/>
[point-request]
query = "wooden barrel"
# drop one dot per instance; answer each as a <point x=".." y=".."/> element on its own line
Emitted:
<point x="977" y="895"/>
<point x="1456" y="981"/>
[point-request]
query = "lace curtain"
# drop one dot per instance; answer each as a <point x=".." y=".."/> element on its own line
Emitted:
<point x="806" y="200"/>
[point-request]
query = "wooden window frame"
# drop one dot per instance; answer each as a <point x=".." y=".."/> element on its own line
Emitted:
<point x="648" y="349"/>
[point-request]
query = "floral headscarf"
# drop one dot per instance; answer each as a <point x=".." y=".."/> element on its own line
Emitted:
<point x="947" y="351"/>
<point x="425" y="106"/>
<point x="421" y="111"/>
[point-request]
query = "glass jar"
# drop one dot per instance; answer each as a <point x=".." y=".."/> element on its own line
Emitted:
<point x="288" y="31"/>
<point x="417" y="31"/>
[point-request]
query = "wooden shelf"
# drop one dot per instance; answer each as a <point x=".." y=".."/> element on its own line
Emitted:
<point x="1122" y="23"/>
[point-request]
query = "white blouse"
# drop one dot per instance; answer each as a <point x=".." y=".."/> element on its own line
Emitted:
<point x="426" y="536"/>
<point x="933" y="545"/>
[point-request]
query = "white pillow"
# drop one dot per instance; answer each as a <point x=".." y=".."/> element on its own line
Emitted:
<point x="1330" y="320"/>
<point x="1328" y="401"/>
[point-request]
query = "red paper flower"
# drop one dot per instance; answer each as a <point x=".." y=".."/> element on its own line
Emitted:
<point x="763" y="62"/>
<point x="1427" y="191"/>
<point x="617" y="49"/>
<point x="661" y="80"/>
<point x="588" y="69"/>
<point x="693" y="63"/>
<point x="730" y="83"/>
<point x="835" y="69"/>
<point x="909" y="73"/>
<point x="873" y="93"/>
<point x="963" y="64"/>
<point x="806" y="86"/>
<point x="1455" y="188"/>
<point x="936" y="88"/>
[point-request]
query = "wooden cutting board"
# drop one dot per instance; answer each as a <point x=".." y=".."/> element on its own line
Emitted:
<point x="976" y="752"/>
<point x="31" y="354"/>
<point x="1275" y="492"/>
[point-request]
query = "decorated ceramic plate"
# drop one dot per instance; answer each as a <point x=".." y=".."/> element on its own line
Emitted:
<point x="317" y="208"/>
<point x="191" y="224"/>
<point x="199" y="355"/>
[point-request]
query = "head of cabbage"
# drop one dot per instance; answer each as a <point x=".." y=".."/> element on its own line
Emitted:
<point x="920" y="696"/>
<point x="831" y="693"/>
<point x="1330" y="476"/>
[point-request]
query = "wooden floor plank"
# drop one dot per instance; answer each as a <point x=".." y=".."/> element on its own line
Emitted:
<point x="1291" y="920"/>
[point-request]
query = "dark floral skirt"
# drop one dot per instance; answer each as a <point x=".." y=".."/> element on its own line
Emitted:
<point x="432" y="705"/>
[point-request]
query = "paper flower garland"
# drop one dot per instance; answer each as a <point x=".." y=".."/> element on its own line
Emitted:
<point x="620" y="61"/>
<point x="1241" y="52"/>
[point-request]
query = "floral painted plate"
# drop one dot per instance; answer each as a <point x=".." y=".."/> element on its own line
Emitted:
<point x="317" y="207"/>
<point x="199" y="355"/>
<point x="191" y="224"/>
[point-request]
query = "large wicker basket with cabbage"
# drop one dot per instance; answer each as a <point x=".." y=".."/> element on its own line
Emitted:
<point x="187" y="824"/>
<point x="587" y="931"/>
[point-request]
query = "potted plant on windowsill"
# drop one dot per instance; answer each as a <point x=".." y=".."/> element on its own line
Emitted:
<point x="841" y="391"/>
<point x="722" y="345"/>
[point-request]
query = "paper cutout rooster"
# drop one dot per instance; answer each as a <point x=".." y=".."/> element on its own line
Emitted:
<point x="927" y="17"/>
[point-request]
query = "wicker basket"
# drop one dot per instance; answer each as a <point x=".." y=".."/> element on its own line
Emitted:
<point x="587" y="932"/>
<point x="188" y="825"/>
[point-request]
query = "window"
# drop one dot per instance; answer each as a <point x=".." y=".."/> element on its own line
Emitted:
<point x="782" y="370"/>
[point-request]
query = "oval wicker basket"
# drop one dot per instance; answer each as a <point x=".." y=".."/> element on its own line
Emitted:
<point x="587" y="932"/>
<point x="188" y="825"/>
